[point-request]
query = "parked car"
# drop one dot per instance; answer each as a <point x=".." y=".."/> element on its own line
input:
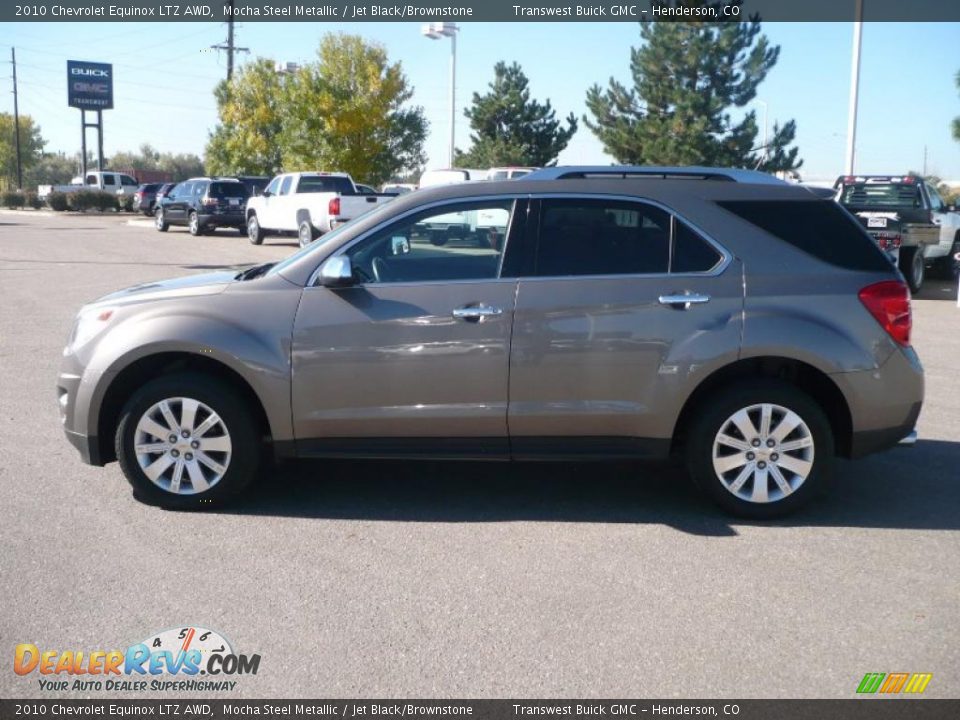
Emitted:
<point x="398" y="188"/>
<point x="256" y="184"/>
<point x="203" y="205"/>
<point x="753" y="330"/>
<point x="905" y="213"/>
<point x="114" y="182"/>
<point x="162" y="192"/>
<point x="432" y="178"/>
<point x="145" y="198"/>
<point x="509" y="173"/>
<point x="308" y="204"/>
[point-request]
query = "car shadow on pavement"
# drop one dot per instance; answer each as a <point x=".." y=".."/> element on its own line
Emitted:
<point x="937" y="290"/>
<point x="909" y="488"/>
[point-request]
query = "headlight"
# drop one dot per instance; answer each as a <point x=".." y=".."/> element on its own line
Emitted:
<point x="89" y="324"/>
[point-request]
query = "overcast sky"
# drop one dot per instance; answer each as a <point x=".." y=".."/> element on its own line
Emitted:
<point x="165" y="73"/>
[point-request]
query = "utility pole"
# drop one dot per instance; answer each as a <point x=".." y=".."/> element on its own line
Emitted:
<point x="854" y="89"/>
<point x="16" y="119"/>
<point x="229" y="44"/>
<point x="924" y="160"/>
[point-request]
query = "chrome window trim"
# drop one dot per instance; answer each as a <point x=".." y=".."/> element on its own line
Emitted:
<point x="718" y="269"/>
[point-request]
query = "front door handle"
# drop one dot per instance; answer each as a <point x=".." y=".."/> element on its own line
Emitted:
<point x="476" y="313"/>
<point x="683" y="301"/>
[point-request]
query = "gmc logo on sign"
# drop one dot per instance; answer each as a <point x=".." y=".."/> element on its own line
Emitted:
<point x="90" y="72"/>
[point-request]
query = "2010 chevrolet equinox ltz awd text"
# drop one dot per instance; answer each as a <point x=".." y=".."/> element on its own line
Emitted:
<point x="739" y="323"/>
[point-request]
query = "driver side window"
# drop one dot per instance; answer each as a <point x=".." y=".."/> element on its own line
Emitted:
<point x="462" y="241"/>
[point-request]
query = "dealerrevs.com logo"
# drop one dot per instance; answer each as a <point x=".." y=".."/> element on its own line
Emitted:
<point x="180" y="659"/>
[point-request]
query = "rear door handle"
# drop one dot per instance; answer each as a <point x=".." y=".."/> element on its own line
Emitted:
<point x="476" y="313"/>
<point x="683" y="301"/>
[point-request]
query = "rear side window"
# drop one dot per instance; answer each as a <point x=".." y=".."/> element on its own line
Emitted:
<point x="285" y="185"/>
<point x="325" y="184"/>
<point x="691" y="253"/>
<point x="817" y="227"/>
<point x="602" y="237"/>
<point x="227" y="190"/>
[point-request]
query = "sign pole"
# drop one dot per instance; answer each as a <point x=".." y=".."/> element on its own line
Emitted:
<point x="99" y="139"/>
<point x="83" y="144"/>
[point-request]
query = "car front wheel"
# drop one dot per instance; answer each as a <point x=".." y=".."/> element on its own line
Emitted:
<point x="194" y="224"/>
<point x="760" y="449"/>
<point x="185" y="441"/>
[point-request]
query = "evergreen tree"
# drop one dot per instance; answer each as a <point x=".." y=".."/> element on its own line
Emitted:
<point x="687" y="76"/>
<point x="511" y="129"/>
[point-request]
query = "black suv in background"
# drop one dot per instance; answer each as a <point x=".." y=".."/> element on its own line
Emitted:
<point x="203" y="205"/>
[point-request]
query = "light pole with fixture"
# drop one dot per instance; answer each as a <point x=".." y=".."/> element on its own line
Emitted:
<point x="435" y="31"/>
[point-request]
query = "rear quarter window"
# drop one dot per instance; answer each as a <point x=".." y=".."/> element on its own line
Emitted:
<point x="820" y="228"/>
<point x="227" y="189"/>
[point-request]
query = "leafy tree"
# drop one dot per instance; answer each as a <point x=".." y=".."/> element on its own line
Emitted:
<point x="345" y="111"/>
<point x="348" y="111"/>
<point x="180" y="166"/>
<point x="144" y="159"/>
<point x="687" y="76"/>
<point x="51" y="169"/>
<point x="31" y="148"/>
<point x="511" y="129"/>
<point x="246" y="142"/>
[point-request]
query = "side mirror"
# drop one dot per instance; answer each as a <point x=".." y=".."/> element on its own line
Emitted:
<point x="267" y="193"/>
<point x="337" y="272"/>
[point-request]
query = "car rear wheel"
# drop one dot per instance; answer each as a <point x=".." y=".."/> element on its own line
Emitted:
<point x="912" y="267"/>
<point x="760" y="449"/>
<point x="160" y="221"/>
<point x="305" y="233"/>
<point x="194" y="224"/>
<point x="254" y="231"/>
<point x="185" y="441"/>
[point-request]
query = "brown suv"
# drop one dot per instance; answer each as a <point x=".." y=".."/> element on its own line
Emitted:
<point x="752" y="329"/>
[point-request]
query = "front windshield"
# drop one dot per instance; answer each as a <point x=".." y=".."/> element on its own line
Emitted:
<point x="323" y="244"/>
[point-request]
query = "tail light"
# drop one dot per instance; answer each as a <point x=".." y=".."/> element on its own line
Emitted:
<point x="138" y="195"/>
<point x="333" y="209"/>
<point x="889" y="303"/>
<point x="208" y="201"/>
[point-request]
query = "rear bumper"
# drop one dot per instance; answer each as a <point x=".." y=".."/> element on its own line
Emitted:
<point x="866" y="442"/>
<point x="224" y="219"/>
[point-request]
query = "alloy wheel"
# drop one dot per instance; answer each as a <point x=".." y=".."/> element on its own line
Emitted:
<point x="763" y="453"/>
<point x="182" y="445"/>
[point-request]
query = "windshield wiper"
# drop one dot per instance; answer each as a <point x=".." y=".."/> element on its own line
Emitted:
<point x="255" y="271"/>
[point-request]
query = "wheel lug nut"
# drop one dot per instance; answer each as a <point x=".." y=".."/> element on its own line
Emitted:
<point x="774" y="457"/>
<point x="185" y="434"/>
<point x="751" y="456"/>
<point x="175" y="453"/>
<point x="771" y="443"/>
<point x="195" y="444"/>
<point x="172" y="438"/>
<point x="755" y="442"/>
<point x="188" y="457"/>
<point x="761" y="464"/>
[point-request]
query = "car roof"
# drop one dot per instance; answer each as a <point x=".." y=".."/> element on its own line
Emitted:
<point x="699" y="172"/>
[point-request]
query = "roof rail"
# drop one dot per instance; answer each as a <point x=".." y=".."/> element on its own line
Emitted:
<point x="692" y="172"/>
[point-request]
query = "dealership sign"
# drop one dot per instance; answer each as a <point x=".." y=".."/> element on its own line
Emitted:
<point x="89" y="85"/>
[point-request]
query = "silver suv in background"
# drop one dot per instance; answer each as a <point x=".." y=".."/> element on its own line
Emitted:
<point x="749" y="328"/>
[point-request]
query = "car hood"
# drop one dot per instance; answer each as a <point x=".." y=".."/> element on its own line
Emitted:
<point x="189" y="286"/>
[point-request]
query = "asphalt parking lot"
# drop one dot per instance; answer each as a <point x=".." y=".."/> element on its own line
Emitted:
<point x="383" y="579"/>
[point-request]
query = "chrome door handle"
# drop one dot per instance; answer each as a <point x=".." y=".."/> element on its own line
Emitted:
<point x="682" y="301"/>
<point x="475" y="313"/>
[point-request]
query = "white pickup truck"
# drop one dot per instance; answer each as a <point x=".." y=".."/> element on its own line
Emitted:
<point x="307" y="203"/>
<point x="120" y="183"/>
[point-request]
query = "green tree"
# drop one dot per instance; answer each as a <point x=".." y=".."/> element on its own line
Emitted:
<point x="687" y="77"/>
<point x="51" y="169"/>
<point x="247" y="140"/>
<point x="511" y="129"/>
<point x="31" y="148"/>
<point x="145" y="158"/>
<point x="348" y="111"/>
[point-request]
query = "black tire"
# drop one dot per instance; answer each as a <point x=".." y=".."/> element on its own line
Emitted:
<point x="712" y="416"/>
<point x="306" y="233"/>
<point x="160" y="221"/>
<point x="193" y="224"/>
<point x="438" y="238"/>
<point x="912" y="267"/>
<point x="254" y="232"/>
<point x="237" y="418"/>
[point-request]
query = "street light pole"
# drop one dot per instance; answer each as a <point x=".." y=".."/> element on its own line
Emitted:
<point x="854" y="89"/>
<point x="435" y="31"/>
